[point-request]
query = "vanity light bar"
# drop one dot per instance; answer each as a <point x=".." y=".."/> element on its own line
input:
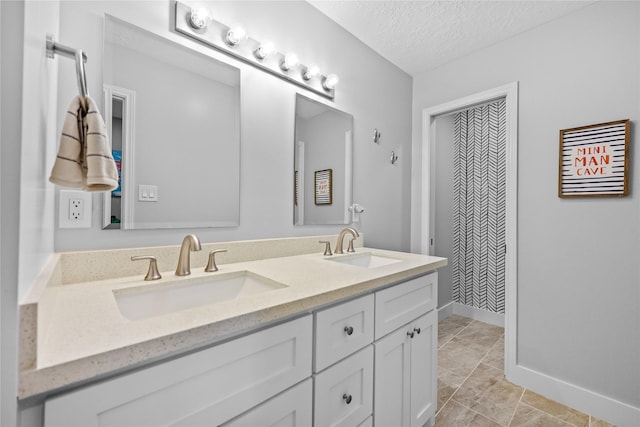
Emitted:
<point x="234" y="41"/>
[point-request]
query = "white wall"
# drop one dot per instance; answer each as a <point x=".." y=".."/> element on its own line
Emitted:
<point x="578" y="294"/>
<point x="39" y="102"/>
<point x="376" y="92"/>
<point x="28" y="144"/>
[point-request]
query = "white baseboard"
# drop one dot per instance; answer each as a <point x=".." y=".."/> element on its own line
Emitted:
<point x="478" y="314"/>
<point x="445" y="311"/>
<point x="470" y="312"/>
<point x="589" y="402"/>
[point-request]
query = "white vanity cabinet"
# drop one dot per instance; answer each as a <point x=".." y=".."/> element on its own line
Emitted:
<point x="344" y="392"/>
<point x="208" y="387"/>
<point x="370" y="361"/>
<point x="400" y="366"/>
<point x="405" y="354"/>
<point x="343" y="379"/>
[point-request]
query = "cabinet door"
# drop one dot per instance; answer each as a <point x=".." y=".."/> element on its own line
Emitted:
<point x="423" y="369"/>
<point x="400" y="304"/>
<point x="344" y="392"/>
<point x="392" y="379"/>
<point x="292" y="408"/>
<point x="208" y="387"/>
<point x="342" y="330"/>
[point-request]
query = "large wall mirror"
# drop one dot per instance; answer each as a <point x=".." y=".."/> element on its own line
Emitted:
<point x="173" y="115"/>
<point x="323" y="151"/>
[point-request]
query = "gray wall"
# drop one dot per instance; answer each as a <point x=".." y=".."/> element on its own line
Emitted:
<point x="267" y="120"/>
<point x="578" y="294"/>
<point x="443" y="194"/>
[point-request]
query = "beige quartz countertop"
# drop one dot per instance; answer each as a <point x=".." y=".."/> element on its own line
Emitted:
<point x="86" y="337"/>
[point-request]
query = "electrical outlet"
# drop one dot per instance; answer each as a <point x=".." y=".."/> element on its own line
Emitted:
<point x="74" y="209"/>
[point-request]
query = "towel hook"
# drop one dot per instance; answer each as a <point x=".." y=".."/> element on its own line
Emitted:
<point x="394" y="158"/>
<point x="80" y="57"/>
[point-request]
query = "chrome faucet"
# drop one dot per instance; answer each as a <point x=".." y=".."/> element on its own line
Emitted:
<point x="339" y="243"/>
<point x="190" y="243"/>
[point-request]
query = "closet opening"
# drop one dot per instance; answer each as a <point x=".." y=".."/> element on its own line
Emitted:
<point x="469" y="203"/>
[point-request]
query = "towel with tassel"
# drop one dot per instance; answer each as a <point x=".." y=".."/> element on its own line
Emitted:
<point x="84" y="157"/>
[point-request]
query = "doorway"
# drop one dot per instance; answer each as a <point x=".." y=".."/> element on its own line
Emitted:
<point x="433" y="125"/>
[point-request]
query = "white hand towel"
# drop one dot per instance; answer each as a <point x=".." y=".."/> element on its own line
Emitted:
<point x="84" y="156"/>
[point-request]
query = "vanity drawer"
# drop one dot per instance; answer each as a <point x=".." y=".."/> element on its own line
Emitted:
<point x="344" y="392"/>
<point x="342" y="330"/>
<point x="402" y="303"/>
<point x="290" y="408"/>
<point x="207" y="387"/>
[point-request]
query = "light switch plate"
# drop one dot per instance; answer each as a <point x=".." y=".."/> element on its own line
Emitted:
<point x="147" y="193"/>
<point x="75" y="209"/>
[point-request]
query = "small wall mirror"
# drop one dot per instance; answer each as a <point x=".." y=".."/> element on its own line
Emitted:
<point x="323" y="152"/>
<point x="173" y="115"/>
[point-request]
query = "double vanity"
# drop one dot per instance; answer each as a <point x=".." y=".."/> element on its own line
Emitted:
<point x="281" y="334"/>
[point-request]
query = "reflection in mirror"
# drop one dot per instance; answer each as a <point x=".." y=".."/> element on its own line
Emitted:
<point x="174" y="120"/>
<point x="323" y="149"/>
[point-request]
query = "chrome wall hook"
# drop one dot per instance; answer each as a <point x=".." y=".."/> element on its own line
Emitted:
<point x="376" y="136"/>
<point x="394" y="158"/>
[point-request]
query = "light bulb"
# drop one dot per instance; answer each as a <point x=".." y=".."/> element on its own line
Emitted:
<point x="236" y="35"/>
<point x="330" y="81"/>
<point x="290" y="61"/>
<point x="310" y="72"/>
<point x="264" y="50"/>
<point x="199" y="18"/>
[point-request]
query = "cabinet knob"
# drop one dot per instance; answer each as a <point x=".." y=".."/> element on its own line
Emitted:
<point x="410" y="334"/>
<point x="347" y="398"/>
<point x="348" y="330"/>
<point x="417" y="330"/>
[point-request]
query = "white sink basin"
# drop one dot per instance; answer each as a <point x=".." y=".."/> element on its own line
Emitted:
<point x="366" y="260"/>
<point x="151" y="300"/>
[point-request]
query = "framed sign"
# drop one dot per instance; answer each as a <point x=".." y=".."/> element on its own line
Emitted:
<point x="323" y="185"/>
<point x="593" y="160"/>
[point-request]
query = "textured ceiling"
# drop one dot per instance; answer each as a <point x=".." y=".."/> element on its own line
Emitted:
<point x="421" y="35"/>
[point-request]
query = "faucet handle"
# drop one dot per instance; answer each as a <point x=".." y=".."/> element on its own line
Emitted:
<point x="350" y="247"/>
<point x="211" y="264"/>
<point x="327" y="247"/>
<point x="152" y="273"/>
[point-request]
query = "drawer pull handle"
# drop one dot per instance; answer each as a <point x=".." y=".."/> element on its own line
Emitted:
<point x="347" y="398"/>
<point x="348" y="330"/>
<point x="410" y="334"/>
<point x="417" y="330"/>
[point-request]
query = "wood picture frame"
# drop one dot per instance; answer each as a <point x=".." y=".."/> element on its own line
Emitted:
<point x="593" y="160"/>
<point x="323" y="185"/>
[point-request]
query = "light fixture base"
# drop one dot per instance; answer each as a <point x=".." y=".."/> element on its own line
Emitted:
<point x="214" y="35"/>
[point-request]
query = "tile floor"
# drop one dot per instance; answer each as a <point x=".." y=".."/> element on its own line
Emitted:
<point x="472" y="390"/>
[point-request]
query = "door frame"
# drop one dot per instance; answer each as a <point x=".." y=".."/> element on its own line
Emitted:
<point x="509" y="92"/>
